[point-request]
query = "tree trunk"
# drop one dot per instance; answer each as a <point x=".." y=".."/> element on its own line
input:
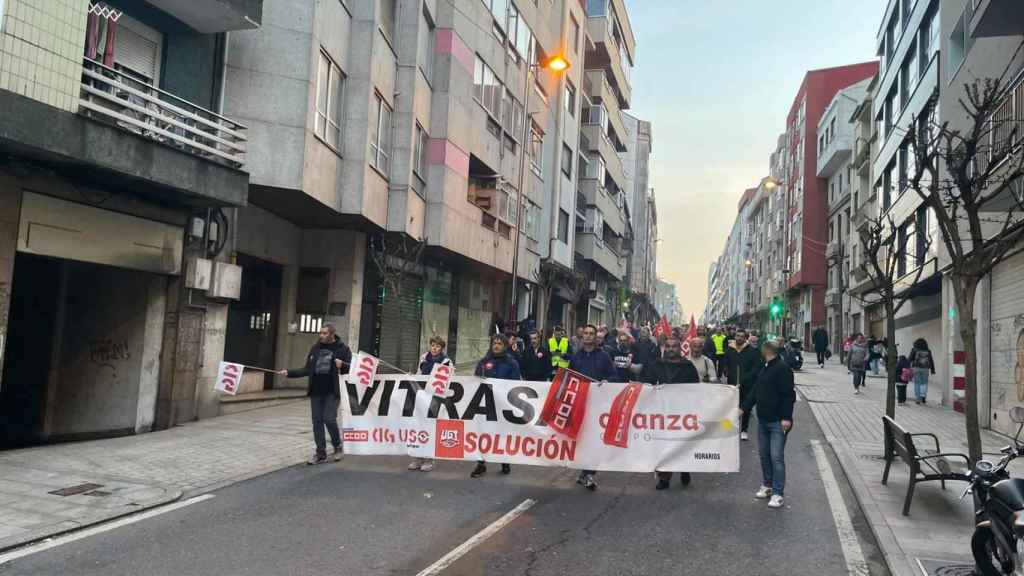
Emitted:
<point x="965" y="288"/>
<point x="890" y="359"/>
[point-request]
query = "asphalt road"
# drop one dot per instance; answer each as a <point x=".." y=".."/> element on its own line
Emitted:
<point x="368" y="516"/>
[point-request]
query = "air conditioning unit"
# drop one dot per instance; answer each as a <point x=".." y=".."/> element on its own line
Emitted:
<point x="198" y="272"/>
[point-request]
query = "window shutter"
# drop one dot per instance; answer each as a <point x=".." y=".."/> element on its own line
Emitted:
<point x="137" y="47"/>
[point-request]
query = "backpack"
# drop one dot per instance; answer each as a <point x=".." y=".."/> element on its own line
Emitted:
<point x="922" y="359"/>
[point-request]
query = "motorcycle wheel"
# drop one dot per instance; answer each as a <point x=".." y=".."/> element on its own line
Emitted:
<point x="986" y="554"/>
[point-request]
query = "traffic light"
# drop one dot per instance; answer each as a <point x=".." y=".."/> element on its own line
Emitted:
<point x="776" y="309"/>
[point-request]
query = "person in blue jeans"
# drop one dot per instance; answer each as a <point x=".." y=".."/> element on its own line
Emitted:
<point x="923" y="364"/>
<point x="774" y="395"/>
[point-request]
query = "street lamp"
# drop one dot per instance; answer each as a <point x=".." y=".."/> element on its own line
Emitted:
<point x="556" y="63"/>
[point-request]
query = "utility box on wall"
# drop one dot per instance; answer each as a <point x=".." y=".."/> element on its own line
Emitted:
<point x="226" y="281"/>
<point x="198" y="273"/>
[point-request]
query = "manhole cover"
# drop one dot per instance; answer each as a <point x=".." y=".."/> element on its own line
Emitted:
<point x="945" y="568"/>
<point x="76" y="489"/>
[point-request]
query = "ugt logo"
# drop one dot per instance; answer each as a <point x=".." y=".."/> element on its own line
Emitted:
<point x="449" y="439"/>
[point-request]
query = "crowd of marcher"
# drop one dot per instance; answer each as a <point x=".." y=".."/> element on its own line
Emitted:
<point x="724" y="355"/>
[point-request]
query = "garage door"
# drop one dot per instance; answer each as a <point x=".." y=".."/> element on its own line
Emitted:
<point x="1007" y="349"/>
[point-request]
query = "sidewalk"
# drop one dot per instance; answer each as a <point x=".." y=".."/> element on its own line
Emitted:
<point x="936" y="537"/>
<point x="52" y="489"/>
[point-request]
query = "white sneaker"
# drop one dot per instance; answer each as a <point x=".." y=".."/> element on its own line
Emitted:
<point x="414" y="465"/>
<point x="427" y="466"/>
<point x="763" y="492"/>
<point x="744" y="436"/>
<point x="856" y="392"/>
<point x="775" y="502"/>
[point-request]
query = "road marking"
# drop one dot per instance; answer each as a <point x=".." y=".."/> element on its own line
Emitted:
<point x="855" y="563"/>
<point x="80" y="534"/>
<point x="477" y="539"/>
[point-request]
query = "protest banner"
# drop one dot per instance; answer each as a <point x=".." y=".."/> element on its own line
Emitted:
<point x="683" y="427"/>
<point x="229" y="376"/>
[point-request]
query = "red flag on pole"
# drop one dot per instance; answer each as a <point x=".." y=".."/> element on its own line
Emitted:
<point x="663" y="327"/>
<point x="690" y="336"/>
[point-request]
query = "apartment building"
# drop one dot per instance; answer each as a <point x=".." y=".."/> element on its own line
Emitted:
<point x="863" y="316"/>
<point x="641" y="271"/>
<point x="601" y="219"/>
<point x="980" y="39"/>
<point x="835" y="165"/>
<point x="119" y="161"/>
<point x="667" y="302"/>
<point x="393" y="123"/>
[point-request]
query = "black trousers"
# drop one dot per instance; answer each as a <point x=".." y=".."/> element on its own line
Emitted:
<point x="821" y="357"/>
<point x="720" y="364"/>
<point x="324" y="411"/>
<point x="901" y="392"/>
<point x="745" y="416"/>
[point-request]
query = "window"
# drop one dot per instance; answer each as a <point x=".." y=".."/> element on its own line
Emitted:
<point x="887" y="186"/>
<point x="929" y="43"/>
<point x="313" y="289"/>
<point x="425" y="52"/>
<point x="486" y="88"/>
<point x="388" y="9"/>
<point x="420" y="154"/>
<point x="536" y="149"/>
<point x="330" y="97"/>
<point x="890" y="109"/>
<point x="904" y="168"/>
<point x="908" y="76"/>
<point x="921" y="250"/>
<point x="137" y="50"/>
<point x="567" y="161"/>
<point x="380" y="135"/>
<point x="574" y="37"/>
<point x="597" y="7"/>
<point x="563" y="226"/>
<point x="958" y="46"/>
<point x="1" y="15"/>
<point x="570" y="98"/>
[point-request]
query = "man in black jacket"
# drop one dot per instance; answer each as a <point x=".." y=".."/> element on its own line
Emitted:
<point x="535" y="363"/>
<point x="593" y="362"/>
<point x="743" y="362"/>
<point x="647" y="350"/>
<point x="774" y="395"/>
<point x="324" y="363"/>
<point x="672" y="368"/>
<point x="820" y="340"/>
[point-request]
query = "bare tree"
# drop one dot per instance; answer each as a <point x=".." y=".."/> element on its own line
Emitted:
<point x="971" y="180"/>
<point x="886" y="254"/>
<point x="578" y="287"/>
<point x="395" y="257"/>
<point x="546" y="276"/>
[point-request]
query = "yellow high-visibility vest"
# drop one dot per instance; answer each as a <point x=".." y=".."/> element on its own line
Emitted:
<point x="559" y="349"/>
<point x="719" y="340"/>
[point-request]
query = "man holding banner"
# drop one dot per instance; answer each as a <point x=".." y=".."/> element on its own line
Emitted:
<point x="323" y="366"/>
<point x="593" y="362"/>
<point x="672" y="368"/>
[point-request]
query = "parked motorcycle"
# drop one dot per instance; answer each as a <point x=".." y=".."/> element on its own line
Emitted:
<point x="998" y="541"/>
<point x="793" y="354"/>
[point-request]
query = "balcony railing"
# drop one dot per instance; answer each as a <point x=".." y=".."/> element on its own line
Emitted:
<point x="1007" y="124"/>
<point x="118" y="98"/>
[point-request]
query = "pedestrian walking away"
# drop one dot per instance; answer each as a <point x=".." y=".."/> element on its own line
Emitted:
<point x="773" y="395"/>
<point x="435" y="356"/>
<point x="820" y="341"/>
<point x="904" y="374"/>
<point x="594" y="363"/>
<point x="744" y="362"/>
<point x="498" y="363"/>
<point x="323" y="366"/>
<point x="674" y="368"/>
<point x="923" y="363"/>
<point x="857" y="361"/>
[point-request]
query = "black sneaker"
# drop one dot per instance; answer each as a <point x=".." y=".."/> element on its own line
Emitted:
<point x="506" y="469"/>
<point x="336" y="455"/>
<point x="479" y="471"/>
<point x="317" y="459"/>
<point x="662" y="484"/>
<point x="684" y="478"/>
<point x="589" y="483"/>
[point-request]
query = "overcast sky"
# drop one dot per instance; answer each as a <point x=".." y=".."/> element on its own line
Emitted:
<point x="716" y="79"/>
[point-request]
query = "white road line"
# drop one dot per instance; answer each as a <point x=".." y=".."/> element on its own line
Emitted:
<point x="80" y="534"/>
<point x="855" y="563"/>
<point x="477" y="539"/>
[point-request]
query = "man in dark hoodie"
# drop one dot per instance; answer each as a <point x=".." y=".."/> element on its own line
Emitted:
<point x="498" y="363"/>
<point x="672" y="368"/>
<point x="743" y="362"/>
<point x="592" y="361"/>
<point x="535" y="363"/>
<point x="324" y="363"/>
<point x="624" y="357"/>
<point x="774" y="395"/>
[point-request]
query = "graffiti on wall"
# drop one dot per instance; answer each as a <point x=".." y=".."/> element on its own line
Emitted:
<point x="106" y="353"/>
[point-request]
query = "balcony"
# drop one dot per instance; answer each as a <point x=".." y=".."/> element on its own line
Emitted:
<point x="611" y="207"/>
<point x="598" y="141"/>
<point x="835" y="154"/>
<point x="833" y="298"/>
<point x="581" y="204"/>
<point x="608" y="56"/>
<point x="214" y="16"/>
<point x="590" y="247"/>
<point x="115" y="98"/>
<point x="832" y="250"/>
<point x="994" y="18"/>
<point x="601" y="92"/>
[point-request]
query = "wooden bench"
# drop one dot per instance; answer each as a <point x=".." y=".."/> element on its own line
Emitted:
<point x="929" y="465"/>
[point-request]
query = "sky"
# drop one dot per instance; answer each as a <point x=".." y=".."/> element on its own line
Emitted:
<point x="716" y="79"/>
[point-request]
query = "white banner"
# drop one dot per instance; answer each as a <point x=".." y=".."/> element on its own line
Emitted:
<point x="674" y="427"/>
<point x="229" y="376"/>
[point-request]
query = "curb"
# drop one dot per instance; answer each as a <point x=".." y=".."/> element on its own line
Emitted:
<point x="6" y="545"/>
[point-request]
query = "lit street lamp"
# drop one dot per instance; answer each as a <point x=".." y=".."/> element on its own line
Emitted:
<point x="556" y="63"/>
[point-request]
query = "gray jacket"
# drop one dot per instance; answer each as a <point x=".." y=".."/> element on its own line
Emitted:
<point x="857" y="357"/>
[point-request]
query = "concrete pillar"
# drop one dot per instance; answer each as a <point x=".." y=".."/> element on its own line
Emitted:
<point x="10" y="210"/>
<point x="214" y="329"/>
<point x="152" y="344"/>
<point x="347" y="284"/>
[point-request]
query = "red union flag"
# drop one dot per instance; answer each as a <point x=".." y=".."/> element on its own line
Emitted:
<point x="689" y="336"/>
<point x="616" y="432"/>
<point x="229" y="376"/>
<point x="566" y="402"/>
